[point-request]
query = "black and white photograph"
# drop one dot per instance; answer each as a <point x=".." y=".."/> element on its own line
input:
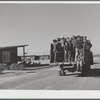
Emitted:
<point x="49" y="46"/>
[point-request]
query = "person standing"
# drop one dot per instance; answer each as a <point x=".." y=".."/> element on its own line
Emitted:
<point x="70" y="48"/>
<point x="74" y="40"/>
<point x="66" y="49"/>
<point x="78" y="47"/>
<point x="54" y="49"/>
<point x="63" y="40"/>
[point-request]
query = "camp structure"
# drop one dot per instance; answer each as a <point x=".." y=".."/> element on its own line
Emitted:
<point x="9" y="54"/>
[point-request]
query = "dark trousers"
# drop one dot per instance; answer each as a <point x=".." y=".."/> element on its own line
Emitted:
<point x="60" y="56"/>
<point x="69" y="56"/>
<point x="73" y="54"/>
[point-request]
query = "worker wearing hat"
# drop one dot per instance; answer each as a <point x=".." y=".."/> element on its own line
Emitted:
<point x="54" y="40"/>
<point x="67" y="39"/>
<point x="60" y="50"/>
<point x="63" y="40"/>
<point x="66" y="51"/>
<point x="54" y="49"/>
<point x="85" y="38"/>
<point x="74" y="40"/>
<point x="62" y="37"/>
<point x="70" y="48"/>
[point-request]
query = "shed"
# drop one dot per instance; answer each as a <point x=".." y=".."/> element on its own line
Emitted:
<point x="9" y="54"/>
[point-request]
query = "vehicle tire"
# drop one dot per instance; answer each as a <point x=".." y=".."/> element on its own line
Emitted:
<point x="85" y="69"/>
<point x="91" y="58"/>
<point x="86" y="60"/>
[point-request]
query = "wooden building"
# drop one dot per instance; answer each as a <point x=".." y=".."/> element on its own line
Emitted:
<point x="9" y="54"/>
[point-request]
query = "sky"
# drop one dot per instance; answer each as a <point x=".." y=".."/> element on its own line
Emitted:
<point x="38" y="24"/>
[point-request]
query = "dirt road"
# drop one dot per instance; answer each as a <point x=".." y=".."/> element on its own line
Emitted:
<point x="49" y="79"/>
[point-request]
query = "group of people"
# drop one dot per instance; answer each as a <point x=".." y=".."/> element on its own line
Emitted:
<point x="69" y="49"/>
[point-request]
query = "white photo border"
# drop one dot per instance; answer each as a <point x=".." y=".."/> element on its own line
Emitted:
<point x="49" y="94"/>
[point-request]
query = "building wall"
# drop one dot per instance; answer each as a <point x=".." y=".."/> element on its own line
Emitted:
<point x="8" y="55"/>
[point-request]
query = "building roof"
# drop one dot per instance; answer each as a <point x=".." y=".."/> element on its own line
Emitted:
<point x="6" y="47"/>
<point x="34" y="55"/>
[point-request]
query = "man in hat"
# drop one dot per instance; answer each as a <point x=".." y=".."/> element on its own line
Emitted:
<point x="66" y="53"/>
<point x="74" y="40"/>
<point x="58" y="44"/>
<point x="60" y="50"/>
<point x="79" y="50"/>
<point x="70" y="49"/>
<point x="63" y="40"/>
<point x="78" y="46"/>
<point x="54" y="49"/>
<point x="85" y="38"/>
<point x="89" y="42"/>
<point x="67" y="39"/>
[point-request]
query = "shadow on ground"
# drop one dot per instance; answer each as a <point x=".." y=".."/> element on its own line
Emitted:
<point x="96" y="62"/>
<point x="3" y="73"/>
<point x="16" y="73"/>
<point x="92" y="73"/>
<point x="30" y="72"/>
<point x="72" y="74"/>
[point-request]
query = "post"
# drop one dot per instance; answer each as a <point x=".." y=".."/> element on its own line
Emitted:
<point x="23" y="53"/>
<point x="64" y="54"/>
